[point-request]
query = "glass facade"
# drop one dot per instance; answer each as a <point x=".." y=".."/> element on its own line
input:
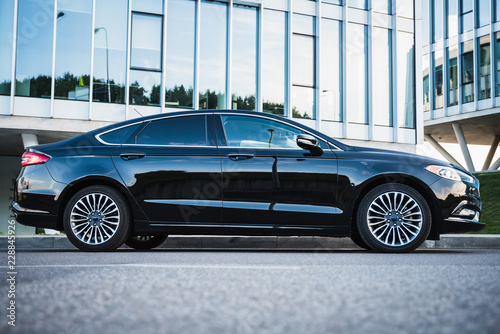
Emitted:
<point x="382" y="90"/>
<point x="466" y="15"/>
<point x="180" y="54"/>
<point x="382" y="6"/>
<point x="467" y="72"/>
<point x="498" y="62"/>
<point x="438" y="79"/>
<point x="73" y="49"/>
<point x="213" y="52"/>
<point x="404" y="8"/>
<point x="35" y="30"/>
<point x="483" y="12"/>
<point x="331" y="67"/>
<point x="452" y="76"/>
<point x="484" y="67"/>
<point x="452" y="16"/>
<point x="425" y="23"/>
<point x="6" y="31"/>
<point x="274" y="50"/>
<point x="406" y="88"/>
<point x="426" y="83"/>
<point x="437" y="20"/>
<point x="357" y="58"/>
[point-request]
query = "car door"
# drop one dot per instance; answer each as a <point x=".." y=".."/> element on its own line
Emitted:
<point x="172" y="168"/>
<point x="268" y="179"/>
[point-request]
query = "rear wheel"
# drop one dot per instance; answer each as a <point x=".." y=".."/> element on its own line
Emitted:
<point x="393" y="218"/>
<point x="97" y="219"/>
<point x="145" y="241"/>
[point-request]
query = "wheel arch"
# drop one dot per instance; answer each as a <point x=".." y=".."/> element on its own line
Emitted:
<point x="405" y="179"/>
<point x="96" y="180"/>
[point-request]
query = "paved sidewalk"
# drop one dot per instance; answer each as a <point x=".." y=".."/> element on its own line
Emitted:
<point x="448" y="241"/>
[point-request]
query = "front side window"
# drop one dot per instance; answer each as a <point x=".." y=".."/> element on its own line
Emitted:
<point x="175" y="131"/>
<point x="244" y="131"/>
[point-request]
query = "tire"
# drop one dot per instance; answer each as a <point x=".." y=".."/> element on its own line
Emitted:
<point x="97" y="219"/>
<point x="356" y="238"/>
<point x="145" y="241"/>
<point x="393" y="218"/>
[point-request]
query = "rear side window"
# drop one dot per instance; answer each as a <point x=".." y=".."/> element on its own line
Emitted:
<point x="120" y="135"/>
<point x="178" y="131"/>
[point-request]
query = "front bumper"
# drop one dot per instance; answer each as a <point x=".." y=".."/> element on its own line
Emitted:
<point x="453" y="225"/>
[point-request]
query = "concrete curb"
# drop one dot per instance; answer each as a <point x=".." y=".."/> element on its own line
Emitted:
<point x="196" y="242"/>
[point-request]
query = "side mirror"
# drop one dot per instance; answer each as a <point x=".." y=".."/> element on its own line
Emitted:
<point x="308" y="142"/>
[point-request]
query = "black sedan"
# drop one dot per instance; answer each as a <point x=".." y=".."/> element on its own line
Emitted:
<point x="237" y="173"/>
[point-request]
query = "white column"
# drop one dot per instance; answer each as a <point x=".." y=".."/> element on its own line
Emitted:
<point x="457" y="127"/>
<point x="441" y="150"/>
<point x="29" y="139"/>
<point x="491" y="153"/>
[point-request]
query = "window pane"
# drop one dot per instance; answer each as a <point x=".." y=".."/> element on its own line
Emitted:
<point x="303" y="60"/>
<point x="244" y="63"/>
<point x="360" y="4"/>
<point x="452" y="76"/>
<point x="304" y="24"/>
<point x="180" y="53"/>
<point x="145" y="88"/>
<point x="146" y="41"/>
<point x="73" y="43"/>
<point x="483" y="15"/>
<point x="382" y="6"/>
<point x="498" y="63"/>
<point x="110" y="51"/>
<point x="484" y="68"/>
<point x="438" y="79"/>
<point x="34" y="48"/>
<point x="330" y="71"/>
<point x="425" y="76"/>
<point x="303" y="102"/>
<point x="6" y="32"/>
<point x="497" y="11"/>
<point x="466" y="15"/>
<point x="437" y="20"/>
<point x="467" y="5"/>
<point x="452" y="17"/>
<point x="467" y="72"/>
<point x="273" y="61"/>
<point x="188" y="130"/>
<point x="406" y="97"/>
<point x="356" y="73"/>
<point x="242" y="131"/>
<point x="382" y="87"/>
<point x="148" y="6"/>
<point x="425" y="22"/>
<point x="404" y="8"/>
<point x="213" y="48"/>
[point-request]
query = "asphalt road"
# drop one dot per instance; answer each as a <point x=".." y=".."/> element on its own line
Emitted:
<point x="430" y="291"/>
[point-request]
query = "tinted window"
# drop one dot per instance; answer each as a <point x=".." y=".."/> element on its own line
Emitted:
<point x="120" y="135"/>
<point x="188" y="130"/>
<point x="243" y="131"/>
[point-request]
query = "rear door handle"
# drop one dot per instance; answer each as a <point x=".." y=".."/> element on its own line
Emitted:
<point x="132" y="156"/>
<point x="240" y="157"/>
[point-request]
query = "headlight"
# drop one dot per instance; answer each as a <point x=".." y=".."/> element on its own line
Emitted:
<point x="450" y="173"/>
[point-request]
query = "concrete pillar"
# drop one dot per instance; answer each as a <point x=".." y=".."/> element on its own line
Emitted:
<point x="495" y="165"/>
<point x="441" y="150"/>
<point x="457" y="127"/>
<point x="29" y="139"/>
<point x="491" y="153"/>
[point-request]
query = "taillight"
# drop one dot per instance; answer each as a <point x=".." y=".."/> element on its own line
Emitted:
<point x="31" y="158"/>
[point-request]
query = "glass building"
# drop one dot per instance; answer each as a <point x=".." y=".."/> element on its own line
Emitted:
<point x="460" y="78"/>
<point x="345" y="67"/>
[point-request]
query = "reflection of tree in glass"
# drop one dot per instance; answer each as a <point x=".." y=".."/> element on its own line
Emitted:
<point x="179" y="97"/>
<point x="5" y="87"/>
<point x="68" y="83"/>
<point x="101" y="91"/>
<point x="274" y="108"/>
<point x="38" y="87"/>
<point x="297" y="114"/>
<point x="209" y="100"/>
<point x="139" y="95"/>
<point x="244" y="103"/>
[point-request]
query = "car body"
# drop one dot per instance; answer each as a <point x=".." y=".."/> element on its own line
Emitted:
<point x="237" y="173"/>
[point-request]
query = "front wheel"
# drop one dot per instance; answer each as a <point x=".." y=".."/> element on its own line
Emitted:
<point x="97" y="219"/>
<point x="393" y="218"/>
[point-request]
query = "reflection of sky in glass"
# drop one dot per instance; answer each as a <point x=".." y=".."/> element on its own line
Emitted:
<point x="484" y="12"/>
<point x="303" y="60"/>
<point x="180" y="44"/>
<point x="244" y="51"/>
<point x="356" y="73"/>
<point x="273" y="56"/>
<point x="111" y="15"/>
<point x="6" y="29"/>
<point x="381" y="76"/>
<point x="304" y="24"/>
<point x="406" y="111"/>
<point x="303" y="101"/>
<point x="34" y="41"/>
<point x="74" y="38"/>
<point x="382" y="6"/>
<point x="404" y="8"/>
<point x="452" y="18"/>
<point x="330" y="70"/>
<point x="147" y="6"/>
<point x="146" y="41"/>
<point x="213" y="47"/>
<point x="361" y="4"/>
<point x="437" y="24"/>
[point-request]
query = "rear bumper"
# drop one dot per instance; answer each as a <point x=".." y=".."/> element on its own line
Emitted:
<point x="35" y="218"/>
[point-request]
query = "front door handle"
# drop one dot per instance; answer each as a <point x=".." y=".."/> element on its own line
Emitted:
<point x="132" y="156"/>
<point x="240" y="157"/>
